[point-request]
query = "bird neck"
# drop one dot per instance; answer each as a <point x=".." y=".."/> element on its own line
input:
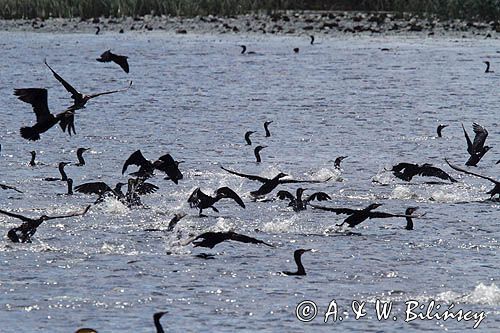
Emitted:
<point x="32" y="162"/>
<point x="159" y="328"/>
<point x="61" y="171"/>
<point x="70" y="188"/>
<point x="300" y="268"/>
<point x="409" y="223"/>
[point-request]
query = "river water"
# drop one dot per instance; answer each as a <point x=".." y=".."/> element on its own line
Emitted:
<point x="194" y="96"/>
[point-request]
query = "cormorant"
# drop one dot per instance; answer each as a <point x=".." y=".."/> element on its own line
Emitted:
<point x="267" y="123"/>
<point x="200" y="200"/>
<point x="98" y="29"/>
<point x="256" y="152"/>
<point x="269" y="184"/>
<point x="86" y="330"/>
<point x="45" y="120"/>
<point x="165" y="163"/>
<point x="79" y="155"/>
<point x="495" y="190"/>
<point x="173" y="222"/>
<point x="312" y="39"/>
<point x="244" y="50"/>
<point x="64" y="177"/>
<point x="27" y="229"/>
<point x="33" y="156"/>
<point x="406" y="171"/>
<point x="210" y="239"/>
<point x="156" y="319"/>
<point x="297" y="202"/>
<point x="339" y="160"/>
<point x="356" y="216"/>
<point x="117" y="59"/>
<point x="409" y="221"/>
<point x="8" y="187"/>
<point x="296" y="49"/>
<point x="297" y="255"/>
<point x="103" y="190"/>
<point x="440" y="128"/>
<point x="69" y="183"/>
<point x="247" y="137"/>
<point x="498" y="162"/>
<point x="488" y="67"/>
<point x="476" y="149"/>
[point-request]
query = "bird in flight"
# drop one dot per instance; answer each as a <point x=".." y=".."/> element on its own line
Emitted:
<point x="120" y="60"/>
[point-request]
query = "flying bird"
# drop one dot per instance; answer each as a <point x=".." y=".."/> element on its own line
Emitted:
<point x="297" y="203"/>
<point x="130" y="198"/>
<point x="406" y="171"/>
<point x="297" y="255"/>
<point x="45" y="120"/>
<point x="269" y="184"/>
<point x="476" y="149"/>
<point x="439" y="129"/>
<point x="200" y="200"/>
<point x="117" y="59"/>
<point x="27" y="229"/>
<point x="494" y="191"/>
<point x="146" y="168"/>
<point x="210" y="239"/>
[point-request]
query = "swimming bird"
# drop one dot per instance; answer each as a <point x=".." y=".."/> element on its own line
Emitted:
<point x="79" y="155"/>
<point x="33" y="156"/>
<point x="476" y="149"/>
<point x="297" y="203"/>
<point x="409" y="221"/>
<point x="488" y="67"/>
<point x="165" y="163"/>
<point x="406" y="171"/>
<point x="64" y="177"/>
<point x="256" y="152"/>
<point x="45" y="120"/>
<point x="498" y="162"/>
<point x="440" y="128"/>
<point x="200" y="200"/>
<point x="210" y="239"/>
<point x="86" y="330"/>
<point x="356" y="216"/>
<point x="494" y="191"/>
<point x="244" y="50"/>
<point x="297" y="255"/>
<point x="312" y="39"/>
<point x="269" y="184"/>
<point x="27" y="229"/>
<point x="266" y="124"/>
<point x="156" y="320"/>
<point x="69" y="183"/>
<point x="339" y="160"/>
<point x="296" y="49"/>
<point x="247" y="137"/>
<point x="98" y="29"/>
<point x="117" y="59"/>
<point x="8" y="187"/>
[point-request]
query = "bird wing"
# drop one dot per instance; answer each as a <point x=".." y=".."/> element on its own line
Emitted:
<point x="286" y="181"/>
<point x="94" y="188"/>
<point x="226" y="192"/>
<point x="480" y="138"/>
<point x="282" y="195"/>
<point x="8" y="187"/>
<point x="111" y="91"/>
<point x="121" y="61"/>
<point x="251" y="177"/>
<point x="146" y="188"/>
<point x="66" y="85"/>
<point x="319" y="196"/>
<point x="70" y="215"/>
<point x="431" y="171"/>
<point x="195" y="197"/>
<point x="67" y="121"/>
<point x="136" y="159"/>
<point x="245" y="239"/>
<point x="472" y="173"/>
<point x="470" y="148"/>
<point x="37" y="97"/>
<point x="17" y="216"/>
<point x="381" y="215"/>
<point x="338" y="211"/>
<point x="164" y="163"/>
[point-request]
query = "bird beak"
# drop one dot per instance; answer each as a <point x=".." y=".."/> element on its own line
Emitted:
<point x="307" y="250"/>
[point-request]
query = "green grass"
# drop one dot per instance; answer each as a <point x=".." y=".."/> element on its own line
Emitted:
<point x="468" y="9"/>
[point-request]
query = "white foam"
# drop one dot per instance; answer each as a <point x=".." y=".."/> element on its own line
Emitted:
<point x="403" y="193"/>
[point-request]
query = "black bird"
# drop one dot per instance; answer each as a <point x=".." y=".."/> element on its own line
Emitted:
<point x="8" y="187"/>
<point x="297" y="255"/>
<point x="312" y="39"/>
<point x="406" y="171"/>
<point x="339" y="160"/>
<point x="269" y="184"/>
<point x="488" y="67"/>
<point x="98" y="29"/>
<point x="69" y="183"/>
<point x="64" y="177"/>
<point x="117" y="59"/>
<point x="440" y="128"/>
<point x="33" y="156"/>
<point x="297" y="203"/>
<point x="156" y="319"/>
<point x="165" y="163"/>
<point x="173" y="222"/>
<point x="79" y="155"/>
<point x="296" y="49"/>
<point x="409" y="221"/>
<point x="244" y="50"/>
<point x="79" y="99"/>
<point x="267" y="123"/>
<point x="476" y="149"/>
<point x="495" y="190"/>
<point x="86" y="330"/>
<point x="356" y="216"/>
<point x="210" y="239"/>
<point x="498" y="162"/>
<point x="135" y="188"/>
<point x="27" y="229"/>
<point x="45" y="120"/>
<point x="200" y="200"/>
<point x="247" y="137"/>
<point x="256" y="152"/>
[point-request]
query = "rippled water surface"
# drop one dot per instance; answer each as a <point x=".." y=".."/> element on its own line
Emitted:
<point x="194" y="97"/>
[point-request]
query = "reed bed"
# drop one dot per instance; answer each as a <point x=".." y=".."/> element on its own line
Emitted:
<point x="27" y="9"/>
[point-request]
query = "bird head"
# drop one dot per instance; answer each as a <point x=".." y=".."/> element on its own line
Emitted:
<point x="410" y="210"/>
<point x="374" y="205"/>
<point x="268" y="122"/>
<point x="33" y="153"/>
<point x="486" y="148"/>
<point x="300" y="252"/>
<point x="443" y="126"/>
<point x="281" y="175"/>
<point x="64" y="163"/>
<point x="158" y="315"/>
<point x="44" y="217"/>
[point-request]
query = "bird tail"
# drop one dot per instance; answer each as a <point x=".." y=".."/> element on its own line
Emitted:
<point x="29" y="133"/>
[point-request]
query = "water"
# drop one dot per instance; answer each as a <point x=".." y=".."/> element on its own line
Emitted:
<point x="194" y="97"/>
